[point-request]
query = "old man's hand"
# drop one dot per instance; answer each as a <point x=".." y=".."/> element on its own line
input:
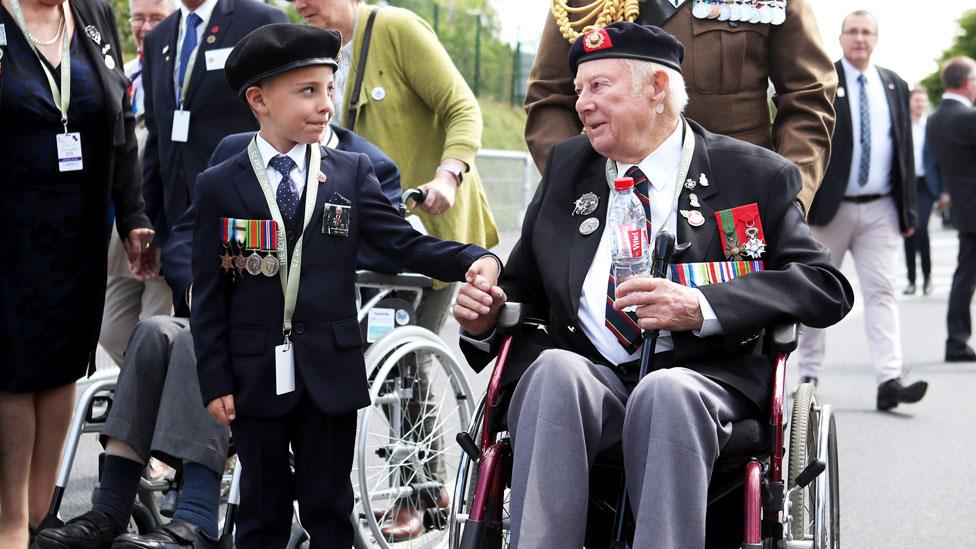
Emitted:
<point x="480" y="299"/>
<point x="661" y="304"/>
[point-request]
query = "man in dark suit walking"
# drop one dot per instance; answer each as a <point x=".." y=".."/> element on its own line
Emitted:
<point x="189" y="106"/>
<point x="952" y="135"/>
<point x="866" y="202"/>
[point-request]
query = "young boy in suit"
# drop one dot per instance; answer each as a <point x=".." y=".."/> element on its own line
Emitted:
<point x="278" y="227"/>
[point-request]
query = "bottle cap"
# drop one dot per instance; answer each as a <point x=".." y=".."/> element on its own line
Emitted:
<point x="623" y="183"/>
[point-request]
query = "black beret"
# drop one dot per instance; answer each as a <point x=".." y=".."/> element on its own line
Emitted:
<point x="627" y="40"/>
<point x="273" y="49"/>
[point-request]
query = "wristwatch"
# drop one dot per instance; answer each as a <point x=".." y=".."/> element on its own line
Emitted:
<point x="458" y="173"/>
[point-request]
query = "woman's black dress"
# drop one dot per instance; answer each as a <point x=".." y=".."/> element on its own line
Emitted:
<point x="52" y="224"/>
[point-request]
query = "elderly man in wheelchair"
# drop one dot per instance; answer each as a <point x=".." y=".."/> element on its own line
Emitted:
<point x="744" y="261"/>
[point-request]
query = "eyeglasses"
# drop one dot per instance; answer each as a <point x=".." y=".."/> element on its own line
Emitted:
<point x="138" y="20"/>
<point x="856" y="32"/>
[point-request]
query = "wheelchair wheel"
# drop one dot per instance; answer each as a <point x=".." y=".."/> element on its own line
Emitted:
<point x="405" y="451"/>
<point x="815" y="510"/>
<point x="467" y="479"/>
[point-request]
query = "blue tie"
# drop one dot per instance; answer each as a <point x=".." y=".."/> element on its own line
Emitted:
<point x="865" y="167"/>
<point x="189" y="44"/>
<point x="287" y="195"/>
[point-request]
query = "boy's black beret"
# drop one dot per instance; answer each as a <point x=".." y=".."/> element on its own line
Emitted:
<point x="273" y="49"/>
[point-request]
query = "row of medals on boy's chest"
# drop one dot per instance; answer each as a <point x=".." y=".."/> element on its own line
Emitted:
<point x="251" y="246"/>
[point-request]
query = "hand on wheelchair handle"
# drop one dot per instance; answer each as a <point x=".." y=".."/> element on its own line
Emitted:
<point x="222" y="409"/>
<point x="440" y="196"/>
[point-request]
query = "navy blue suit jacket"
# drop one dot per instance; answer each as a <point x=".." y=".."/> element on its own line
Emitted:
<point x="176" y="252"/>
<point x="170" y="168"/>
<point x="237" y="324"/>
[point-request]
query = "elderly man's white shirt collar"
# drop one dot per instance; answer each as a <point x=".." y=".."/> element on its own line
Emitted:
<point x="960" y="98"/>
<point x="662" y="160"/>
<point x="297" y="153"/>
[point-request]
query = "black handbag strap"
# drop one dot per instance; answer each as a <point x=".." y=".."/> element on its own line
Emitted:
<point x="357" y="87"/>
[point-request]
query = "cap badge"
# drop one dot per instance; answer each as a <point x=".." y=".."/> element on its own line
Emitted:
<point x="596" y="39"/>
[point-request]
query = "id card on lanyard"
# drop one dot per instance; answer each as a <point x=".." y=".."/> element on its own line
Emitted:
<point x="289" y="274"/>
<point x="68" y="143"/>
<point x="181" y="117"/>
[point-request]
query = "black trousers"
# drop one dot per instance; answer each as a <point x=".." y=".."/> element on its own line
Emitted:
<point x="323" y="447"/>
<point x="918" y="243"/>
<point x="958" y="320"/>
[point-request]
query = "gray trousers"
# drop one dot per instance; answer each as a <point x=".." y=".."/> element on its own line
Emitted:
<point x="566" y="409"/>
<point x="158" y="409"/>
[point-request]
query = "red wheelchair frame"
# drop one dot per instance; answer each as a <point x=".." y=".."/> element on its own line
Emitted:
<point x="477" y="520"/>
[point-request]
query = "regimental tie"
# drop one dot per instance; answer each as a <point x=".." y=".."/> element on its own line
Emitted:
<point x="622" y="324"/>
<point x="287" y="195"/>
<point x="865" y="166"/>
<point x="189" y="44"/>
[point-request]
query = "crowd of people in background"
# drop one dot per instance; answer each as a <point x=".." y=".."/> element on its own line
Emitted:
<point x="101" y="162"/>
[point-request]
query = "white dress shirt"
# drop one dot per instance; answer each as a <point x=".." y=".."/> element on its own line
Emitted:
<point x="203" y="11"/>
<point x="882" y="144"/>
<point x="661" y="168"/>
<point x="960" y="98"/>
<point x="918" y="141"/>
<point x="297" y="153"/>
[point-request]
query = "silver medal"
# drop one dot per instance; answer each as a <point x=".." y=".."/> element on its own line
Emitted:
<point x="253" y="264"/>
<point x="611" y="171"/>
<point x="110" y="62"/>
<point x="269" y="265"/>
<point x="779" y="13"/>
<point x="93" y="33"/>
<point x="586" y="204"/>
<point x="690" y="184"/>
<point x="701" y="9"/>
<point x="589" y="226"/>
<point x="754" y="247"/>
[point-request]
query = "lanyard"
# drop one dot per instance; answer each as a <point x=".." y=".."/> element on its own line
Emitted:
<point x="687" y="151"/>
<point x="181" y="90"/>
<point x="62" y="97"/>
<point x="290" y="276"/>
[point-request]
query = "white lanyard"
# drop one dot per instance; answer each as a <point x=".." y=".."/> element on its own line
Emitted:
<point x="289" y="275"/>
<point x="687" y="151"/>
<point x="62" y="97"/>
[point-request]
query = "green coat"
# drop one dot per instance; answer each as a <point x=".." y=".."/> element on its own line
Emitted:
<point x="416" y="107"/>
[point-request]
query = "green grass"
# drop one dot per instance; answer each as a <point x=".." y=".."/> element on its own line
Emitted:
<point x="504" y="126"/>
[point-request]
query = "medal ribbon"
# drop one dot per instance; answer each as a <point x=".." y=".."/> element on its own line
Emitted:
<point x="728" y="230"/>
<point x="253" y="232"/>
<point x="62" y="97"/>
<point x="226" y="229"/>
<point x="290" y="275"/>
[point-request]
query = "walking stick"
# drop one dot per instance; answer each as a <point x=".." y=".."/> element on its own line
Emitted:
<point x="660" y="260"/>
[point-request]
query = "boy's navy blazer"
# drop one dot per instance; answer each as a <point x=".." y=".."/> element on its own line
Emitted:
<point x="236" y="324"/>
<point x="169" y="168"/>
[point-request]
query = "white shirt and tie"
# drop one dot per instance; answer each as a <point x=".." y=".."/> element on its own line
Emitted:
<point x="661" y="168"/>
<point x="882" y="148"/>
<point x="297" y="154"/>
<point x="203" y="11"/>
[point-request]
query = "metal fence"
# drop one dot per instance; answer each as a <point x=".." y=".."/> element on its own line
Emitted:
<point x="509" y="179"/>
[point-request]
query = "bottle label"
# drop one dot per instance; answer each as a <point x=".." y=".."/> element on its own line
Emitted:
<point x="633" y="239"/>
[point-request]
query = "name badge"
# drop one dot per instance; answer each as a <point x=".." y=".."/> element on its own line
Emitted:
<point x="3" y="35"/>
<point x="335" y="219"/>
<point x="284" y="368"/>
<point x="216" y="58"/>
<point x="181" y="126"/>
<point x="69" y="152"/>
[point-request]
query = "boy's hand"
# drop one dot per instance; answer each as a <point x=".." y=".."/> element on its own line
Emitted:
<point x="222" y="409"/>
<point x="480" y="299"/>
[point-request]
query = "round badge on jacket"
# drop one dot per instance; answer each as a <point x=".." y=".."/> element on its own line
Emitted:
<point x="378" y="93"/>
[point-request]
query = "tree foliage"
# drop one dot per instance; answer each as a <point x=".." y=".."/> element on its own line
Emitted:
<point x="964" y="44"/>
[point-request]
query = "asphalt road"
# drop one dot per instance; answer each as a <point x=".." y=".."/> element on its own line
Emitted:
<point x="906" y="475"/>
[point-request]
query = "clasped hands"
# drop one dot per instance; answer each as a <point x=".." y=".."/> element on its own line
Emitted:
<point x="143" y="256"/>
<point x="661" y="304"/>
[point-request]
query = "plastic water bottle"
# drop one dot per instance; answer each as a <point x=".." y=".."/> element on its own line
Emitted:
<point x="628" y="226"/>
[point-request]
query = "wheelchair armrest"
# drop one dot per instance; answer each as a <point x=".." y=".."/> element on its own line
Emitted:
<point x="513" y="316"/>
<point x="783" y="336"/>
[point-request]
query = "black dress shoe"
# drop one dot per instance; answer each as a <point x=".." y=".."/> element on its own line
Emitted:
<point x="891" y="393"/>
<point x="964" y="355"/>
<point x="173" y="535"/>
<point x="93" y="530"/>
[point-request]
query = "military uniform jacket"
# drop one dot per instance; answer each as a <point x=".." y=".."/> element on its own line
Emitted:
<point x="236" y="324"/>
<point x="799" y="282"/>
<point x="727" y="67"/>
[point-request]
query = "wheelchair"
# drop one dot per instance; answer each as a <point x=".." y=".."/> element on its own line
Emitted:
<point x="798" y="510"/>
